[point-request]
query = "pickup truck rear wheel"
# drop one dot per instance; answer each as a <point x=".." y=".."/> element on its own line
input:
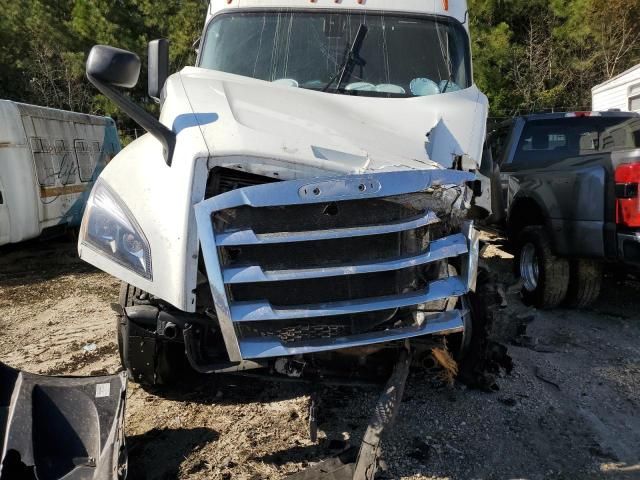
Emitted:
<point x="545" y="276"/>
<point x="585" y="282"/>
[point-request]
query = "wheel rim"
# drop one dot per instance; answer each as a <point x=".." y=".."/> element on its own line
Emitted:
<point x="529" y="267"/>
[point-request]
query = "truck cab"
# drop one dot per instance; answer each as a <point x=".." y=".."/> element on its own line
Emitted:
<point x="306" y="191"/>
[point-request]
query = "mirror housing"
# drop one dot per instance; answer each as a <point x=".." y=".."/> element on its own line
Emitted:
<point x="158" y="67"/>
<point x="108" y="68"/>
<point x="114" y="66"/>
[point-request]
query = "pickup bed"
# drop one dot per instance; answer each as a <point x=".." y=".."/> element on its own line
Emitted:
<point x="565" y="188"/>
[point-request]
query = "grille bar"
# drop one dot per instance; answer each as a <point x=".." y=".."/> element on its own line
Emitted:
<point x="248" y="237"/>
<point x="438" y="250"/>
<point x="441" y="324"/>
<point x="337" y="189"/>
<point x="263" y="311"/>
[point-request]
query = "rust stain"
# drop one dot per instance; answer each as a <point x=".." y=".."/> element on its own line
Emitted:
<point x="48" y="192"/>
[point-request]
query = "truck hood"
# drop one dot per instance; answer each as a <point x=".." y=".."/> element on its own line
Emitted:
<point x="245" y="119"/>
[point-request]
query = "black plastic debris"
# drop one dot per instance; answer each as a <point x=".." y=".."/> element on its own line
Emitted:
<point x="61" y="427"/>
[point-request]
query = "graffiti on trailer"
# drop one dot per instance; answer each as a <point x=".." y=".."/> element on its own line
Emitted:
<point x="64" y="170"/>
<point x="68" y="170"/>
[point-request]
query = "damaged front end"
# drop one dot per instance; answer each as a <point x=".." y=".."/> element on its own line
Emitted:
<point x="349" y="263"/>
<point x="318" y="279"/>
<point x="61" y="428"/>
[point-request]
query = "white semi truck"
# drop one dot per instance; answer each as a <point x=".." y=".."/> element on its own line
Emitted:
<point x="308" y="192"/>
<point x="48" y="161"/>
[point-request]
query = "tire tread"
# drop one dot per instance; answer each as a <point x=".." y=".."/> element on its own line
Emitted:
<point x="585" y="283"/>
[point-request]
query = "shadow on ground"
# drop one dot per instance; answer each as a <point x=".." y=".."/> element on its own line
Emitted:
<point x="172" y="446"/>
<point x="39" y="261"/>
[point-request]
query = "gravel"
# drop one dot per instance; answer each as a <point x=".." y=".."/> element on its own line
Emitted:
<point x="568" y="410"/>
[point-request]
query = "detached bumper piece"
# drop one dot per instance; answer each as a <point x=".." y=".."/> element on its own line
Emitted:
<point x="308" y="266"/>
<point x="55" y="428"/>
<point x="362" y="463"/>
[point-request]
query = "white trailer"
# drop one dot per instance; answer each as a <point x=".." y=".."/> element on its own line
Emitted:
<point x="48" y="162"/>
<point x="620" y="93"/>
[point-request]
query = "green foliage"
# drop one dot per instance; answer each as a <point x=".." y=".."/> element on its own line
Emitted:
<point x="528" y="54"/>
<point x="533" y="55"/>
<point x="492" y="60"/>
<point x="44" y="45"/>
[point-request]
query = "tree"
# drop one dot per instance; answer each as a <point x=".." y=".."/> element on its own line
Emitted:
<point x="615" y="29"/>
<point x="547" y="54"/>
<point x="44" y="45"/>
<point x="528" y="54"/>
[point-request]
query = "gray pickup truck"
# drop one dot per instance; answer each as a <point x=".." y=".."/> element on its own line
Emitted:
<point x="565" y="188"/>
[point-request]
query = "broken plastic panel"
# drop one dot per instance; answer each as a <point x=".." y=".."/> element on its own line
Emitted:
<point x="55" y="428"/>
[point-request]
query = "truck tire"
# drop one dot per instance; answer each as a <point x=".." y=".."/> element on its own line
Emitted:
<point x="481" y="358"/>
<point x="171" y="364"/>
<point x="585" y="282"/>
<point x="545" y="276"/>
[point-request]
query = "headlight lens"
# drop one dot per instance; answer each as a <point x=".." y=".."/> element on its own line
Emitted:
<point x="110" y="228"/>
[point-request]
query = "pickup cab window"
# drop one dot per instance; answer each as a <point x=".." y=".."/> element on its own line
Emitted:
<point x="546" y="142"/>
<point x="399" y="56"/>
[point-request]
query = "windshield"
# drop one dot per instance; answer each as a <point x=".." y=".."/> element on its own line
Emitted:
<point x="397" y="56"/>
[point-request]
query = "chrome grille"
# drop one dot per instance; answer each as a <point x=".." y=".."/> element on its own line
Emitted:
<point x="314" y="254"/>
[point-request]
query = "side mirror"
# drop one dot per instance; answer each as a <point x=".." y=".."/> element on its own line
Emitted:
<point x="113" y="66"/>
<point x="108" y="68"/>
<point x="158" y="67"/>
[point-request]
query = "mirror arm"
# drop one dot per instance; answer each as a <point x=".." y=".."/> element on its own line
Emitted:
<point x="141" y="117"/>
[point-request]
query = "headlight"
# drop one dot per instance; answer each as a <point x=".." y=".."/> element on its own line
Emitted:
<point x="109" y="227"/>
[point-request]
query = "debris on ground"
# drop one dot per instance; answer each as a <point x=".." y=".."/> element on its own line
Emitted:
<point x="52" y="305"/>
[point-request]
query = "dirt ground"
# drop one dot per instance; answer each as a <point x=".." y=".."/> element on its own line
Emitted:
<point x="569" y="410"/>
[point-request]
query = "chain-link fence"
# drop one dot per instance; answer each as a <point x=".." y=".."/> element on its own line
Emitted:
<point x="497" y="117"/>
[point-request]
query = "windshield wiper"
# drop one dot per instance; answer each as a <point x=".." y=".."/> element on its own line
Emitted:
<point x="352" y="59"/>
<point x="448" y="84"/>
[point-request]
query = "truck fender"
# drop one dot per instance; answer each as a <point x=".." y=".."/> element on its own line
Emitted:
<point x="526" y="210"/>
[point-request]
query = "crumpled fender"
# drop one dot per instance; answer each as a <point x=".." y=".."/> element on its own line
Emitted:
<point x="54" y="428"/>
